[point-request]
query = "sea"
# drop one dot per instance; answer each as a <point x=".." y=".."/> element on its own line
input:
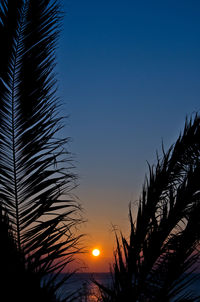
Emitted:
<point x="81" y="285"/>
<point x="86" y="291"/>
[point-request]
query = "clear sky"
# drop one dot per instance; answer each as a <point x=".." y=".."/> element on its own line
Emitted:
<point x="129" y="73"/>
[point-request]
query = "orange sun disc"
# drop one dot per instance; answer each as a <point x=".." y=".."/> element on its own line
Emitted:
<point x="96" y="252"/>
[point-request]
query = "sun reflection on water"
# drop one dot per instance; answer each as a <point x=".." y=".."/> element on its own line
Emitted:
<point x="90" y="291"/>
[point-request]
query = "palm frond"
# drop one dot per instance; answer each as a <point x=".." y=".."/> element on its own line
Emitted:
<point x="19" y="282"/>
<point x="35" y="169"/>
<point x="157" y="262"/>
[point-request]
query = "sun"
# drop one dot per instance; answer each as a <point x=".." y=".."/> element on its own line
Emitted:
<point x="96" y="252"/>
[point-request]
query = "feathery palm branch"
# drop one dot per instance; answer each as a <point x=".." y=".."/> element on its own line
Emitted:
<point x="162" y="251"/>
<point x="19" y="282"/>
<point x="33" y="173"/>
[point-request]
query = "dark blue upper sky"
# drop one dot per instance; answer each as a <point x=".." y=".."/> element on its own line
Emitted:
<point x="129" y="73"/>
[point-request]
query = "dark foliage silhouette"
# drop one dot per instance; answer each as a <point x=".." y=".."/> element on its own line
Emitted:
<point x="35" y="170"/>
<point x="19" y="282"/>
<point x="158" y="261"/>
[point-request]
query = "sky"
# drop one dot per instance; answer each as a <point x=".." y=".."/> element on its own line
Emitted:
<point x="128" y="73"/>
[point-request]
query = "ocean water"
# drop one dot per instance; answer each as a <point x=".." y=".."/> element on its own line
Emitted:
<point x="87" y="291"/>
<point x="82" y="285"/>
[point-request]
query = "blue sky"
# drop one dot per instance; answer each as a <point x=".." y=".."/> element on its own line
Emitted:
<point x="128" y="74"/>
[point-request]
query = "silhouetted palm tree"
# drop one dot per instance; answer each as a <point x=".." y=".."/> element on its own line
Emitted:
<point x="35" y="182"/>
<point x="158" y="261"/>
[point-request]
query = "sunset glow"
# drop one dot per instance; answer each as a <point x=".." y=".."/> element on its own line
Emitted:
<point x="96" y="252"/>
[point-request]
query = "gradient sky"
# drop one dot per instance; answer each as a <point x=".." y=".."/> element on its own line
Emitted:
<point x="129" y="73"/>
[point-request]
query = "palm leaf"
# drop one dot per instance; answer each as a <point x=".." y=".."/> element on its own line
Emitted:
<point x="35" y="169"/>
<point x="157" y="262"/>
<point x="23" y="283"/>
